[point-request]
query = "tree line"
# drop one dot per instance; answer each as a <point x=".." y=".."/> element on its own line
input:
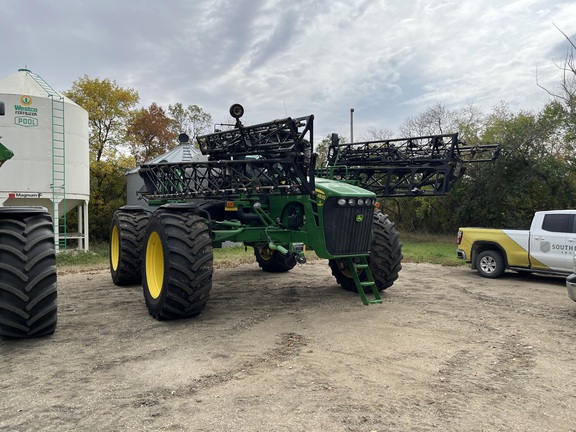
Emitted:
<point x="123" y="136"/>
<point x="536" y="169"/>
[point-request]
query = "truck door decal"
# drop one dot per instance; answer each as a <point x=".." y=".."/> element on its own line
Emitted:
<point x="549" y="243"/>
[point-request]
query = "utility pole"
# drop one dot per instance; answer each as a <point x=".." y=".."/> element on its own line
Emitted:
<point x="351" y="125"/>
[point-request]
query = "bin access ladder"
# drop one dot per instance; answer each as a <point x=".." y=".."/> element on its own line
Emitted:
<point x="58" y="185"/>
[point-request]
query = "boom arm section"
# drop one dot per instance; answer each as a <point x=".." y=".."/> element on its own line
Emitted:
<point x="271" y="139"/>
<point x="5" y="154"/>
<point x="418" y="166"/>
<point x="270" y="158"/>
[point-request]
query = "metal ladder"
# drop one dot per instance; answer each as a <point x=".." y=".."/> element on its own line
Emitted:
<point x="58" y="185"/>
<point x="358" y="268"/>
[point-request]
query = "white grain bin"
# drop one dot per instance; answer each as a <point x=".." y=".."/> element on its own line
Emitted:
<point x="48" y="134"/>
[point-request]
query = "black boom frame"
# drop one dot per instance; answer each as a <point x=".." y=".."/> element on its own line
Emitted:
<point x="268" y="158"/>
<point x="418" y="166"/>
<point x="276" y="158"/>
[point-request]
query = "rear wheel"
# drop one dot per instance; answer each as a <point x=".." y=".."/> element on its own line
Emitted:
<point x="28" y="303"/>
<point x="490" y="264"/>
<point x="126" y="240"/>
<point x="178" y="263"/>
<point x="385" y="257"/>
<point x="273" y="261"/>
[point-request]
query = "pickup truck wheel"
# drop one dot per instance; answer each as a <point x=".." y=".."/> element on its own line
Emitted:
<point x="490" y="264"/>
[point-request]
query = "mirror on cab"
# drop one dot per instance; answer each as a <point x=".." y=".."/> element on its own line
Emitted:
<point x="2" y="108"/>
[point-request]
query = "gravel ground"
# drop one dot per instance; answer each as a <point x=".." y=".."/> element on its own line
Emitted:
<point x="446" y="351"/>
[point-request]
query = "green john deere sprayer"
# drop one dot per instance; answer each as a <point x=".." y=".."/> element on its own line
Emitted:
<point x="260" y="187"/>
<point x="28" y="305"/>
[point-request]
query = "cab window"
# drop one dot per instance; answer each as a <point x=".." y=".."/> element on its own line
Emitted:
<point x="563" y="223"/>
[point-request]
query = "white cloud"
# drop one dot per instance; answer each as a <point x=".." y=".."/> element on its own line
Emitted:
<point x="386" y="59"/>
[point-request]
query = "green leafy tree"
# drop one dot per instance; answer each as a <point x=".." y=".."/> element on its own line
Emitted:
<point x="108" y="183"/>
<point x="149" y="133"/>
<point x="531" y="173"/>
<point x="109" y="108"/>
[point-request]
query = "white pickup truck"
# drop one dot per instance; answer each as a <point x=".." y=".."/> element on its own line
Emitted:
<point x="547" y="247"/>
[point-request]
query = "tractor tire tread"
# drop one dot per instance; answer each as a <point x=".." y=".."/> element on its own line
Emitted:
<point x="28" y="291"/>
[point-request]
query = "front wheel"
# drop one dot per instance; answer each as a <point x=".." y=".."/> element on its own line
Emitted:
<point x="343" y="273"/>
<point x="28" y="303"/>
<point x="385" y="257"/>
<point x="386" y="252"/>
<point x="178" y="264"/>
<point x="490" y="264"/>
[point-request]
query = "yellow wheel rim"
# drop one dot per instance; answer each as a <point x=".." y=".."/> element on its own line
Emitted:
<point x="154" y="265"/>
<point x="115" y="249"/>
<point x="265" y="253"/>
<point x="345" y="269"/>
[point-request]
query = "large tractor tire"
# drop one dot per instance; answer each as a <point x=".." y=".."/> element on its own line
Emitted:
<point x="273" y="261"/>
<point x="126" y="244"/>
<point x="28" y="291"/>
<point x="385" y="258"/>
<point x="178" y="263"/>
<point x="386" y="252"/>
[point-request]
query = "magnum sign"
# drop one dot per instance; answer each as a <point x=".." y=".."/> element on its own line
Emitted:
<point x="25" y="195"/>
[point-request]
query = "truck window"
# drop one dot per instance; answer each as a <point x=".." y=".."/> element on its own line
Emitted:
<point x="558" y="223"/>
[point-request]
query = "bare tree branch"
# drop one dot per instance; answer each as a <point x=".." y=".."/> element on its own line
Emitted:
<point x="568" y="85"/>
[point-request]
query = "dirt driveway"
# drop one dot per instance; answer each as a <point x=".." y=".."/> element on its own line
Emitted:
<point x="447" y="351"/>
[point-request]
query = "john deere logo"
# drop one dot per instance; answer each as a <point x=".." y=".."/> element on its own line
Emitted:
<point x="359" y="218"/>
<point x="26" y="100"/>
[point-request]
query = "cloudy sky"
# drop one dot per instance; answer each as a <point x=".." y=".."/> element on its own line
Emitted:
<point x="387" y="59"/>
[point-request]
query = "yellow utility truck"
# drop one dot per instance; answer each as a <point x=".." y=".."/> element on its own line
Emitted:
<point x="547" y="247"/>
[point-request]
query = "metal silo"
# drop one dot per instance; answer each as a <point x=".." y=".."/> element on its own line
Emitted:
<point x="48" y="134"/>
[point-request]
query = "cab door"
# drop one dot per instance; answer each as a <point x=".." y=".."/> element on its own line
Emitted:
<point x="552" y="245"/>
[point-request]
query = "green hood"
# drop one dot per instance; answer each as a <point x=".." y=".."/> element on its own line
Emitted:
<point x="335" y="188"/>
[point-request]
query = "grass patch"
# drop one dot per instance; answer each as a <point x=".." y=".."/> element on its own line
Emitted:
<point x="416" y="247"/>
<point x="97" y="256"/>
<point x="233" y="256"/>
<point x="430" y="248"/>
